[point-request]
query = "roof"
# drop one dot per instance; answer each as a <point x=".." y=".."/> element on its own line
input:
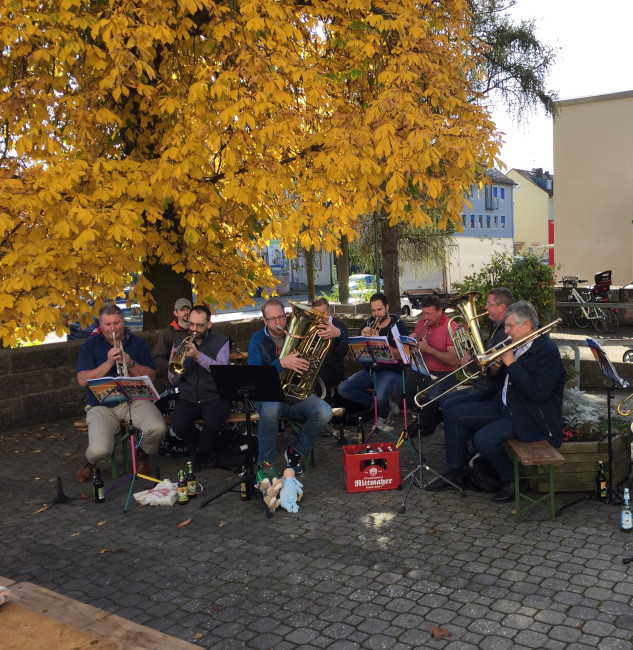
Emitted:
<point x="497" y="177"/>
<point x="539" y="178"/>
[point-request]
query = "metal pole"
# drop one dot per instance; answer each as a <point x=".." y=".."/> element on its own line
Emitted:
<point x="376" y="251"/>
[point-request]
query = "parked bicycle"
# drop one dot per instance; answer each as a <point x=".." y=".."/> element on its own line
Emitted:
<point x="604" y="320"/>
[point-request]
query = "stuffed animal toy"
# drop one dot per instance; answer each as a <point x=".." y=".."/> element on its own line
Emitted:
<point x="291" y="491"/>
<point x="270" y="492"/>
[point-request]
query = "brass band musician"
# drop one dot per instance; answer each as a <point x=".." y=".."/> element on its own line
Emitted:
<point x="528" y="407"/>
<point x="99" y="357"/>
<point x="198" y="396"/>
<point x="171" y="336"/>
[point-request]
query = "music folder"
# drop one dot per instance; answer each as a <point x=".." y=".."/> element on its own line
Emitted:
<point x="262" y="383"/>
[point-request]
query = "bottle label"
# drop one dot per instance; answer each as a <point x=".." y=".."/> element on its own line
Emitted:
<point x="99" y="494"/>
<point x="192" y="488"/>
<point x="182" y="494"/>
<point x="626" y="520"/>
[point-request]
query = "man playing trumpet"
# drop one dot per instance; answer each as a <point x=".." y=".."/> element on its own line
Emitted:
<point x="99" y="357"/>
<point x="198" y="394"/>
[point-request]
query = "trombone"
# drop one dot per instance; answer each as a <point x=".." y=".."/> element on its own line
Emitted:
<point x="485" y="360"/>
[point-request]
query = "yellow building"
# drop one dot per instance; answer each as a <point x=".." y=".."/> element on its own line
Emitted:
<point x="533" y="212"/>
<point x="593" y="159"/>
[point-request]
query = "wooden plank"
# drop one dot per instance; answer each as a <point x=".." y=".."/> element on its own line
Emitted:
<point x="535" y="453"/>
<point x="241" y="417"/>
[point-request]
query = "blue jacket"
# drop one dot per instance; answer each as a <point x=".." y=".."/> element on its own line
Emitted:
<point x="262" y="350"/>
<point x="535" y="393"/>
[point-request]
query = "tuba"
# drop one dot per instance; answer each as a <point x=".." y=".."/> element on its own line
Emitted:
<point x="303" y="337"/>
<point x="177" y="364"/>
<point x="467" y="337"/>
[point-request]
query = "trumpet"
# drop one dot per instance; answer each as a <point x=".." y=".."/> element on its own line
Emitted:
<point x="623" y="412"/>
<point x="374" y="326"/>
<point x="486" y="360"/>
<point x="177" y="364"/>
<point x="121" y="364"/>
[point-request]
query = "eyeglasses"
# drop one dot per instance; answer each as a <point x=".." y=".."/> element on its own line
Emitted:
<point x="493" y="304"/>
<point x="277" y="318"/>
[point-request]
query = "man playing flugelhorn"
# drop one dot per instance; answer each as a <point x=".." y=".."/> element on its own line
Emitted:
<point x="98" y="357"/>
<point x="198" y="395"/>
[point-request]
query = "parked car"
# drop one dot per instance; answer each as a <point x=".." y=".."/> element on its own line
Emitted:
<point x="413" y="296"/>
<point x="406" y="308"/>
<point x="361" y="287"/>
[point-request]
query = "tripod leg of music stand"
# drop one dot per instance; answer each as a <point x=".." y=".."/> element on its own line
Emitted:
<point x="217" y="495"/>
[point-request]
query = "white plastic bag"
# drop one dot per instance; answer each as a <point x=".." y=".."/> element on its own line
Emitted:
<point x="164" y="494"/>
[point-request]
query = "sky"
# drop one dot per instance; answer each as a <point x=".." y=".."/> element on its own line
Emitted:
<point x="594" y="58"/>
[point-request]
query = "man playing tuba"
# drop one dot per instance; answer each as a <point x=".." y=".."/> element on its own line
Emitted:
<point x="264" y="349"/>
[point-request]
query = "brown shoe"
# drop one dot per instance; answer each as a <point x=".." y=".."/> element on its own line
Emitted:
<point x="142" y="463"/>
<point x="84" y="473"/>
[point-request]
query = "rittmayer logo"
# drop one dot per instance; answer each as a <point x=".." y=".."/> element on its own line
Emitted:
<point x="373" y="481"/>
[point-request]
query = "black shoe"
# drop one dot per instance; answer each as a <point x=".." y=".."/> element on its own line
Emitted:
<point x="438" y="483"/>
<point x="506" y="493"/>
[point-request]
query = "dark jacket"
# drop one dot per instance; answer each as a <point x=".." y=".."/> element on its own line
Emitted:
<point x="167" y="339"/>
<point x="333" y="369"/>
<point x="196" y="384"/>
<point x="262" y="350"/>
<point x="535" y="393"/>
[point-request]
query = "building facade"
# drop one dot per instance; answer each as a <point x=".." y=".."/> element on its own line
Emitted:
<point x="593" y="159"/>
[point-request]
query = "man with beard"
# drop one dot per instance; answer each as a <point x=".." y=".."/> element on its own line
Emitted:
<point x="171" y="336"/>
<point x="199" y="399"/>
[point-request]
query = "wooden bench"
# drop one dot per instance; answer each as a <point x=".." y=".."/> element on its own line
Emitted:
<point x="539" y="454"/>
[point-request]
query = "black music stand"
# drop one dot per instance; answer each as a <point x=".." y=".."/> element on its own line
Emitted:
<point x="608" y="370"/>
<point x="246" y="384"/>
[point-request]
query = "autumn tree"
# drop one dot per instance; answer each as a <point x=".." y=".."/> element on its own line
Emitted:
<point x="177" y="137"/>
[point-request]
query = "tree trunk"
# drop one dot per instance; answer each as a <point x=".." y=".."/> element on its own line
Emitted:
<point x="342" y="271"/>
<point x="168" y="287"/>
<point x="309" y="257"/>
<point x="391" y="276"/>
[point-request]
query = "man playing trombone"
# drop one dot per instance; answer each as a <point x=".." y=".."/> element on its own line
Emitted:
<point x="528" y="407"/>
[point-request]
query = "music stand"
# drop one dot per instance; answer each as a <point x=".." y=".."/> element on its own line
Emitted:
<point x="246" y="384"/>
<point x="609" y="371"/>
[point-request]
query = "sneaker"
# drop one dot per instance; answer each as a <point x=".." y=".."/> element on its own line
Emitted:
<point x="394" y="408"/>
<point x="293" y="460"/>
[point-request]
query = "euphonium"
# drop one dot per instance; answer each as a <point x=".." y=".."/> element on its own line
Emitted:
<point x="177" y="364"/>
<point x="302" y="336"/>
<point x="467" y="337"/>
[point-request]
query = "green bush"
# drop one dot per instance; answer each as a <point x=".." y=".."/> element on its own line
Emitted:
<point x="527" y="277"/>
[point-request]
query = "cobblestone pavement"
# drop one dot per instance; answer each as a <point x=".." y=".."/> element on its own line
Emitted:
<point x="347" y="571"/>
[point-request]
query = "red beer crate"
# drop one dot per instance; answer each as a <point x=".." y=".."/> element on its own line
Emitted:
<point x="375" y="470"/>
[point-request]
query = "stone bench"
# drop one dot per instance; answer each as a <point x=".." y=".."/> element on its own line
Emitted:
<point x="539" y="454"/>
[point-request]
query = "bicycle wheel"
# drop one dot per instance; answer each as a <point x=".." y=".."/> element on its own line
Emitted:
<point x="580" y="319"/>
<point x="627" y="357"/>
<point x="615" y="321"/>
<point x="604" y="320"/>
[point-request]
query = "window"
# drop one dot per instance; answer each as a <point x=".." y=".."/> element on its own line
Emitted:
<point x="503" y="192"/>
<point x="464" y="221"/>
<point x="488" y="221"/>
<point x="494" y="191"/>
<point x="494" y="221"/>
<point x="503" y="221"/>
<point x="481" y="220"/>
<point x="472" y="220"/>
<point x="488" y="197"/>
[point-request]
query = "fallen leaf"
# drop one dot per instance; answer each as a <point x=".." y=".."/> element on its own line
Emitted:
<point x="101" y="523"/>
<point x="307" y="530"/>
<point x="198" y="636"/>
<point x="392" y="530"/>
<point x="432" y="531"/>
<point x="57" y="436"/>
<point x="36" y="478"/>
<point x="216" y="608"/>
<point x="120" y="550"/>
<point x="184" y="523"/>
<point x="84" y="496"/>
<point x="104" y="550"/>
<point x="221" y="524"/>
<point x="40" y="510"/>
<point x="37" y="451"/>
<point x="75" y="534"/>
<point x="439" y="632"/>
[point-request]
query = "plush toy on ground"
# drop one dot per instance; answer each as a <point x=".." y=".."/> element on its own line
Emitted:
<point x="270" y="492"/>
<point x="291" y="491"/>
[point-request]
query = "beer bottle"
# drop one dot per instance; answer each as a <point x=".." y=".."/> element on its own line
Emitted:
<point x="192" y="486"/>
<point x="183" y="497"/>
<point x="245" y="493"/>
<point x="360" y="431"/>
<point x="601" y="483"/>
<point x="98" y="486"/>
<point x="626" y="518"/>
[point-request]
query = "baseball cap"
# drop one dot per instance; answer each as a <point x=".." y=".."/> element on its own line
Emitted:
<point x="182" y="302"/>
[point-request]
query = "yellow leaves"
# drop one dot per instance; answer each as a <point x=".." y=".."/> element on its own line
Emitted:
<point x="85" y="238"/>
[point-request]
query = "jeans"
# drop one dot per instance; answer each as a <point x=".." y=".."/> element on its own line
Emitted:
<point x="477" y="421"/>
<point x="313" y="412"/>
<point x="354" y="388"/>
